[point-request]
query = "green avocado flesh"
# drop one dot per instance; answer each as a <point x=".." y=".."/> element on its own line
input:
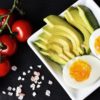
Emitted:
<point x="61" y="24"/>
<point x="73" y="17"/>
<point x="88" y="18"/>
<point x="64" y="38"/>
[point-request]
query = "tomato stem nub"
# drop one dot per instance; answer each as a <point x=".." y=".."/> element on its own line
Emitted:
<point x="2" y="46"/>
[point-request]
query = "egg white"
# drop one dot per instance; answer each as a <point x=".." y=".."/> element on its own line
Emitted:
<point x="92" y="42"/>
<point x="94" y="74"/>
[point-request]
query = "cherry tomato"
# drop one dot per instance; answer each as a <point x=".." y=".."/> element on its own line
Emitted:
<point x="4" y="67"/>
<point x="23" y="30"/>
<point x="3" y="13"/>
<point x="8" y="45"/>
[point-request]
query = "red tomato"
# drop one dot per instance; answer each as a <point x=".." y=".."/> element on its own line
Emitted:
<point x="4" y="67"/>
<point x="8" y="45"/>
<point x="4" y="12"/>
<point x="23" y="30"/>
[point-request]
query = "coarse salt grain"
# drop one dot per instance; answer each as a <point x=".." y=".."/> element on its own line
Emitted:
<point x="18" y="91"/>
<point x="21" y="96"/>
<point x="34" y="94"/>
<point x="36" y="73"/>
<point x="9" y="88"/>
<point x="39" y="66"/>
<point x="23" y="79"/>
<point x="32" y="78"/>
<point x="37" y="78"/>
<point x="40" y="82"/>
<point x="28" y="71"/>
<point x="42" y="77"/>
<point x="50" y="82"/>
<point x="35" y="81"/>
<point x="14" y="68"/>
<point x="32" y="86"/>
<point x="3" y="92"/>
<point x="20" y="85"/>
<point x="47" y="93"/>
<point x="38" y="86"/>
<point x="10" y="93"/>
<point x="14" y="89"/>
<point x="19" y="78"/>
<point x="31" y="67"/>
<point x="24" y="73"/>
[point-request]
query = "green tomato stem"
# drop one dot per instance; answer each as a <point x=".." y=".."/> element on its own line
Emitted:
<point x="9" y="28"/>
<point x="8" y="17"/>
<point x="20" y="11"/>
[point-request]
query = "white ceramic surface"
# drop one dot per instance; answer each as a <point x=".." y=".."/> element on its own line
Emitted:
<point x="56" y="69"/>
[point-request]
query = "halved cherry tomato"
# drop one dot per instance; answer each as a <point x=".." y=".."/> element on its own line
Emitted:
<point x="3" y="17"/>
<point x="4" y="67"/>
<point x="23" y="30"/>
<point x="8" y="45"/>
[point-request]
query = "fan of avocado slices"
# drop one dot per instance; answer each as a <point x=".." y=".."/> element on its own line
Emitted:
<point x="64" y="38"/>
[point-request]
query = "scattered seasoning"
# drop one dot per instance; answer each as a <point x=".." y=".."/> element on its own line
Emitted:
<point x="9" y="88"/>
<point x="38" y="86"/>
<point x="40" y="82"/>
<point x="47" y="93"/>
<point x="35" y="79"/>
<point x="50" y="82"/>
<point x="23" y="79"/>
<point x="24" y="73"/>
<point x="28" y="71"/>
<point x="21" y="96"/>
<point x="14" y="89"/>
<point x="20" y="85"/>
<point x="36" y="73"/>
<point x="42" y="77"/>
<point x="36" y="82"/>
<point x="14" y="68"/>
<point x="19" y="93"/>
<point x="39" y="66"/>
<point x="32" y="79"/>
<point x="32" y="86"/>
<point x="34" y="94"/>
<point x="31" y="67"/>
<point x="10" y="93"/>
<point x="19" y="78"/>
<point x="3" y="92"/>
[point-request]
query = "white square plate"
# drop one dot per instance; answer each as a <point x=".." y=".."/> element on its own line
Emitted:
<point x="56" y="69"/>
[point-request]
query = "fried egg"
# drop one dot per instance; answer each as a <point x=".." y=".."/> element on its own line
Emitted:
<point x="81" y="71"/>
<point x="94" y="43"/>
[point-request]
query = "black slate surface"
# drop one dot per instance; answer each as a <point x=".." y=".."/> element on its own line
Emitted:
<point x="36" y="10"/>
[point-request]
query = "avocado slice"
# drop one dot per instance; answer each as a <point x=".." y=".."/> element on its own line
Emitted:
<point x="44" y="37"/>
<point x="58" y="32"/>
<point x="60" y="23"/>
<point x="62" y="41"/>
<point x="51" y="47"/>
<point x="65" y="44"/>
<point x="73" y="17"/>
<point x="56" y="48"/>
<point x="88" y="18"/>
<point x="54" y="57"/>
<point x="41" y="44"/>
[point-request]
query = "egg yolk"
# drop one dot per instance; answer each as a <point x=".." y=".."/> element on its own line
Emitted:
<point x="97" y="45"/>
<point x="80" y="70"/>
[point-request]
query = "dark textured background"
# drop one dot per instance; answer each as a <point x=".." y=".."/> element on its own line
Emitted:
<point x="36" y="10"/>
